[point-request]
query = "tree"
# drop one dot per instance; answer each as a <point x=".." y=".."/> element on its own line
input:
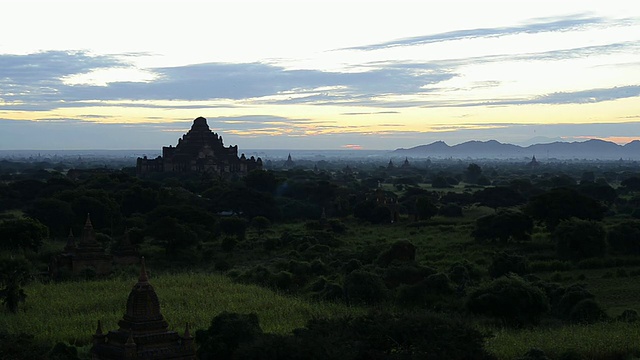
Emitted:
<point x="631" y="184"/>
<point x="503" y="226"/>
<point x="56" y="214"/>
<point x="373" y="336"/>
<point x="578" y="239"/>
<point x="425" y="209"/>
<point x="625" y="237"/>
<point x="472" y="173"/>
<point x="364" y="287"/>
<point x="504" y="263"/>
<point x="234" y="226"/>
<point x="174" y="234"/>
<point x="561" y="204"/>
<point x="25" y="233"/>
<point x="600" y="192"/>
<point x="225" y="334"/>
<point x="14" y="273"/>
<point x="440" y="182"/>
<point x="260" y="223"/>
<point x="510" y="299"/>
<point x="261" y="180"/>
<point x="499" y="196"/>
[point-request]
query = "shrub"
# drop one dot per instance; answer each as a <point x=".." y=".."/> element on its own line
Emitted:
<point x="503" y="226"/>
<point x="392" y="336"/>
<point x="450" y="210"/>
<point x="504" y="263"/>
<point x="282" y="280"/>
<point x="587" y="311"/>
<point x="337" y="226"/>
<point x="579" y="239"/>
<point x="534" y="354"/>
<point x="509" y="299"/>
<point x="464" y="273"/>
<point x="406" y="274"/>
<point x="364" y="287"/>
<point x="625" y="237"/>
<point x="401" y="251"/>
<point x="325" y="290"/>
<point x="222" y="265"/>
<point x="229" y="243"/>
<point x="225" y="334"/>
<point x="351" y="265"/>
<point x="21" y="346"/>
<point x="629" y="315"/>
<point x="563" y="300"/>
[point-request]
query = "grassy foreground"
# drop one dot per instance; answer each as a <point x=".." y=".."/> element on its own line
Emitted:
<point x="605" y="340"/>
<point x="69" y="311"/>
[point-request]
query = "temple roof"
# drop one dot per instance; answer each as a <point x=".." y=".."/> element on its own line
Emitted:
<point x="143" y="333"/>
<point x="143" y="307"/>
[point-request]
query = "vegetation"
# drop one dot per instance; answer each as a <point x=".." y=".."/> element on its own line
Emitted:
<point x="380" y="262"/>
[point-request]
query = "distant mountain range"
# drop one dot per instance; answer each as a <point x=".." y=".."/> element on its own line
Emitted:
<point x="492" y="149"/>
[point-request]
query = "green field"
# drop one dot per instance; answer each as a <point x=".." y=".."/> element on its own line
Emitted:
<point x="69" y="311"/>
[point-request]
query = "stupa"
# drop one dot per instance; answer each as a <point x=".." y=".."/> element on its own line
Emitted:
<point x="143" y="332"/>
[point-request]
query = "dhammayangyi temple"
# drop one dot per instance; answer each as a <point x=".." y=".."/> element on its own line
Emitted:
<point x="200" y="150"/>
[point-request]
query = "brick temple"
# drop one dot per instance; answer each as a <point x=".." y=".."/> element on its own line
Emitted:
<point x="143" y="333"/>
<point x="200" y="150"/>
<point x="84" y="255"/>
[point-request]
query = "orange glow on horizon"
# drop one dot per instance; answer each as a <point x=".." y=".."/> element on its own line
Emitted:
<point x="620" y="140"/>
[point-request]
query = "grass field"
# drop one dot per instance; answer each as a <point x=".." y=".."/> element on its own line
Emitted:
<point x="606" y="340"/>
<point x="69" y="311"/>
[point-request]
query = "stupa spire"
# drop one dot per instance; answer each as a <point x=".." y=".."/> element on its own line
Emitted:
<point x="71" y="242"/>
<point x="143" y="272"/>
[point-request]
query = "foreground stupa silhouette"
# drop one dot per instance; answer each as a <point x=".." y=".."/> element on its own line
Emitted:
<point x="143" y="333"/>
<point x="200" y="150"/>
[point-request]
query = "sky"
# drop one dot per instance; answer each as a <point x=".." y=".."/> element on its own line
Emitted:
<point x="348" y="74"/>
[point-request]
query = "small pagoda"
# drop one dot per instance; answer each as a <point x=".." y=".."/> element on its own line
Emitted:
<point x="87" y="254"/>
<point x="143" y="333"/>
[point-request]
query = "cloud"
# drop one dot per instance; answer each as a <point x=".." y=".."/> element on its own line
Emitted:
<point x="44" y="87"/>
<point x="575" y="97"/>
<point x="370" y="113"/>
<point x="544" y="25"/>
<point x="256" y="80"/>
<point x="33" y="69"/>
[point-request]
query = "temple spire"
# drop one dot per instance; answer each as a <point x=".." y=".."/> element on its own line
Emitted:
<point x="130" y="340"/>
<point x="143" y="272"/>
<point x="71" y="242"/>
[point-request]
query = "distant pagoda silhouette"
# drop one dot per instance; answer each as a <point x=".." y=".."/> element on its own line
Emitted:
<point x="87" y="254"/>
<point x="143" y="333"/>
<point x="201" y="151"/>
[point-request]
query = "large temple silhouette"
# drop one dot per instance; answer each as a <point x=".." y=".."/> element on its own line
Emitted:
<point x="143" y="332"/>
<point x="200" y="150"/>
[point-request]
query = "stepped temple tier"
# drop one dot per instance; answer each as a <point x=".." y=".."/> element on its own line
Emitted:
<point x="199" y="150"/>
<point x="143" y="333"/>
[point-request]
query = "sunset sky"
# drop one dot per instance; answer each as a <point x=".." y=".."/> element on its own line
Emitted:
<point x="317" y="75"/>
